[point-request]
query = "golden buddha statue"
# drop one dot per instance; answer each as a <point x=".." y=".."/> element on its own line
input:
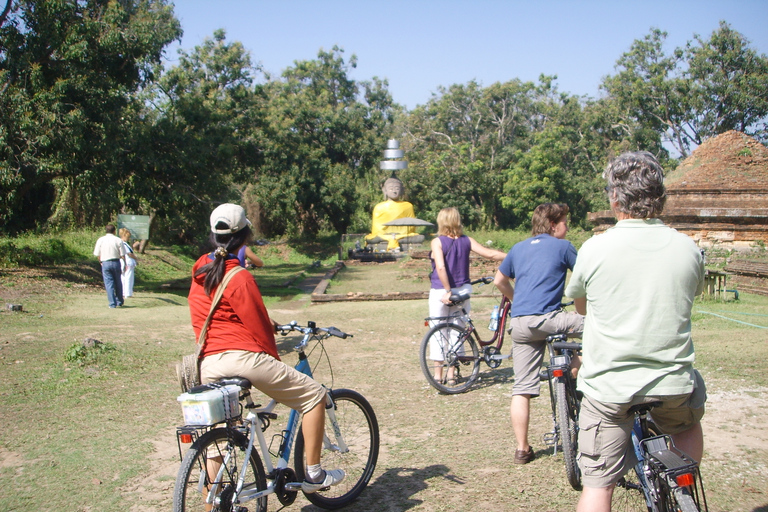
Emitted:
<point x="391" y="209"/>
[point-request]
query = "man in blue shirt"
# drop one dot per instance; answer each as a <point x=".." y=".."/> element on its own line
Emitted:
<point x="538" y="265"/>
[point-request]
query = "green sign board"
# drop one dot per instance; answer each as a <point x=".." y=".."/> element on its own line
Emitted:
<point x="138" y="225"/>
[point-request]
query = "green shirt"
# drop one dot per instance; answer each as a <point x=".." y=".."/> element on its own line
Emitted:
<point x="640" y="279"/>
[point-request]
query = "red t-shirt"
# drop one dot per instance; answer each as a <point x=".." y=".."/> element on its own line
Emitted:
<point x="240" y="321"/>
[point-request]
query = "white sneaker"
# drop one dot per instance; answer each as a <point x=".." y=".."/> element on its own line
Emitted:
<point x="332" y="477"/>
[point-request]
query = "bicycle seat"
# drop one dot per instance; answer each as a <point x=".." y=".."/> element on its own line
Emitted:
<point x="641" y="408"/>
<point x="235" y="381"/>
<point x="458" y="298"/>
<point x="566" y="345"/>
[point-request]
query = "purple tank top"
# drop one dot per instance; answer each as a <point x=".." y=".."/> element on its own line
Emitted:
<point x="456" y="255"/>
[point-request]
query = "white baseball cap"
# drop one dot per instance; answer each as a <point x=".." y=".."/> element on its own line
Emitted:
<point x="230" y="214"/>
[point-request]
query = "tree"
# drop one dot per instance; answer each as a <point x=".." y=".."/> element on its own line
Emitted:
<point x="708" y="87"/>
<point x="650" y="89"/>
<point x="461" y="141"/>
<point x="729" y="85"/>
<point x="194" y="143"/>
<point x="322" y="139"/>
<point x="67" y="70"/>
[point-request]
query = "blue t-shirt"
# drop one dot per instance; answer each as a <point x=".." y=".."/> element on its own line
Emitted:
<point x="538" y="266"/>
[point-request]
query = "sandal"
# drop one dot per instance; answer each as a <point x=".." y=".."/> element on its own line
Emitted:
<point x="451" y="382"/>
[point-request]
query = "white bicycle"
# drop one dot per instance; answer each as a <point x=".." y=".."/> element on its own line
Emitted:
<point x="223" y="472"/>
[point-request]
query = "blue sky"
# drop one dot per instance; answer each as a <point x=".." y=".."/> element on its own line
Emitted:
<point x="419" y="45"/>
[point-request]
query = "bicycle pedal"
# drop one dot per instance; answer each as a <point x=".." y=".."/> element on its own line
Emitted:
<point x="550" y="439"/>
<point x="293" y="486"/>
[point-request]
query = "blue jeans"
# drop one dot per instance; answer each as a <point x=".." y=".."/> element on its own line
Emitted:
<point x="110" y="271"/>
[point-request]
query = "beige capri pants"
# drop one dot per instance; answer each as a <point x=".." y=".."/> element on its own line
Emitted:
<point x="274" y="378"/>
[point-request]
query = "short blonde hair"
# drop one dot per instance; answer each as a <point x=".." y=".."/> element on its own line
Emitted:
<point x="123" y="231"/>
<point x="449" y="223"/>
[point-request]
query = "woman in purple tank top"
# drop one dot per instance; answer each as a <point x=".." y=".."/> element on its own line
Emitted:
<point x="450" y="274"/>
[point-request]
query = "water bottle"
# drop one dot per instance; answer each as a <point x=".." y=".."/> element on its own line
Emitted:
<point x="494" y="319"/>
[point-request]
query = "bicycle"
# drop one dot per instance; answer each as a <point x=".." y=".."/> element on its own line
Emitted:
<point x="459" y="346"/>
<point x="222" y="470"/>
<point x="664" y="479"/>
<point x="565" y="403"/>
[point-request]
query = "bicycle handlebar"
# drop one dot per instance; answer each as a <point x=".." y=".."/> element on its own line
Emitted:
<point x="311" y="329"/>
<point x="484" y="280"/>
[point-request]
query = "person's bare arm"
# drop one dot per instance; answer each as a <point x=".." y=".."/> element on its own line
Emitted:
<point x="251" y="256"/>
<point x="581" y="305"/>
<point x="504" y="285"/>
<point x="486" y="252"/>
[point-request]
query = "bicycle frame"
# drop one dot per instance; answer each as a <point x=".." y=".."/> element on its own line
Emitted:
<point x="498" y="336"/>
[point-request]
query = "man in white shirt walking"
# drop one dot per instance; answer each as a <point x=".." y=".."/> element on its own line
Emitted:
<point x="110" y="252"/>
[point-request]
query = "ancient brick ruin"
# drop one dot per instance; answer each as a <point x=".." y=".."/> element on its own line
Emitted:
<point x="718" y="195"/>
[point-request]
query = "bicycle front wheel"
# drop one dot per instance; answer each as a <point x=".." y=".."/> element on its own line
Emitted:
<point x="351" y="443"/>
<point x="567" y="419"/>
<point x="210" y="470"/>
<point x="449" y="358"/>
<point x="628" y="496"/>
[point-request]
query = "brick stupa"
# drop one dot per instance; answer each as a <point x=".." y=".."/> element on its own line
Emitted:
<point x="718" y="195"/>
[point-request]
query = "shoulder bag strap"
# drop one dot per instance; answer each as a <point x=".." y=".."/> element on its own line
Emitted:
<point x="214" y="303"/>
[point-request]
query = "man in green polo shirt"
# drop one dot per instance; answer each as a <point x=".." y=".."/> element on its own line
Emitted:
<point x="636" y="284"/>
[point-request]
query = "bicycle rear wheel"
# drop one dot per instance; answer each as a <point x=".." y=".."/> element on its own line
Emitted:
<point x="567" y="419"/>
<point x="460" y="364"/>
<point x="683" y="501"/>
<point x="197" y="480"/>
<point x="359" y="431"/>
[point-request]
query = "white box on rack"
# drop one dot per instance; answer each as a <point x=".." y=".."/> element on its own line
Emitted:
<point x="210" y="407"/>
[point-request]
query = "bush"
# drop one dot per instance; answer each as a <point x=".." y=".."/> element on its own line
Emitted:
<point x="90" y="352"/>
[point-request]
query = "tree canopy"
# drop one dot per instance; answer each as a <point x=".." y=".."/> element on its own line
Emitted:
<point x="91" y="124"/>
<point x="67" y="72"/>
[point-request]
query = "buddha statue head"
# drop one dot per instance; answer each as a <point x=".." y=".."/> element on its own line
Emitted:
<point x="393" y="189"/>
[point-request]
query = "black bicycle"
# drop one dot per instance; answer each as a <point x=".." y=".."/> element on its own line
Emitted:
<point x="565" y="401"/>
<point x="664" y="479"/>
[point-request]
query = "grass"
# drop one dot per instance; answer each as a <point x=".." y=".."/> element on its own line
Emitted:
<point x="98" y="433"/>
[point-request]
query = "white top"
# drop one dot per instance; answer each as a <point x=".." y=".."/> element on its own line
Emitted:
<point x="109" y="247"/>
<point x="640" y="279"/>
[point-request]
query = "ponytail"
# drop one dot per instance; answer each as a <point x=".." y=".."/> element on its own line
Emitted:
<point x="224" y="245"/>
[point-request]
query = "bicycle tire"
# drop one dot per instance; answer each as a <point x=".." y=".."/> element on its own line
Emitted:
<point x="567" y="421"/>
<point x="685" y="502"/>
<point x="192" y="477"/>
<point x="360" y="429"/>
<point x="460" y="353"/>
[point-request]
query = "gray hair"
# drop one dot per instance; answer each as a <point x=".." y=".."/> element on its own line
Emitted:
<point x="636" y="184"/>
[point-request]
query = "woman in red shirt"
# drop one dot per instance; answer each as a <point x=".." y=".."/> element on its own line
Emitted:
<point x="240" y="341"/>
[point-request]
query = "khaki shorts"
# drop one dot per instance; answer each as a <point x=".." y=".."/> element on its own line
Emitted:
<point x="270" y="376"/>
<point x="528" y="345"/>
<point x="605" y="450"/>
